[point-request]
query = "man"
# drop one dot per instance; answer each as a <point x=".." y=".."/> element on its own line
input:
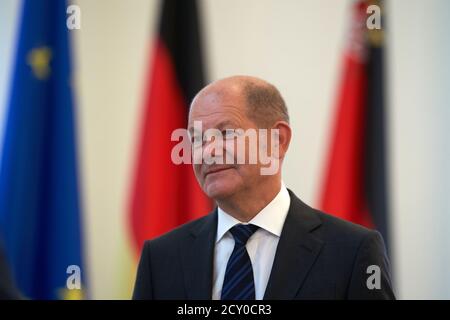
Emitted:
<point x="261" y="242"/>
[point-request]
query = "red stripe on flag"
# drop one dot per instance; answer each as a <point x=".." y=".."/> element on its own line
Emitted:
<point x="164" y="195"/>
<point x="343" y="193"/>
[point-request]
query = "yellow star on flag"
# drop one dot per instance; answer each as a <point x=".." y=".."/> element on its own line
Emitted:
<point x="39" y="61"/>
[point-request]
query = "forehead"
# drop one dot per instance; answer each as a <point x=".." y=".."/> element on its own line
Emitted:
<point x="216" y="107"/>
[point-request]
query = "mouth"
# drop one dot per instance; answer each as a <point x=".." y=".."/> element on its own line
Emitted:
<point x="217" y="170"/>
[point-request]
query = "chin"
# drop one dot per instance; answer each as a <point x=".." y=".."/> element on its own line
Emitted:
<point x="222" y="184"/>
<point x="217" y="190"/>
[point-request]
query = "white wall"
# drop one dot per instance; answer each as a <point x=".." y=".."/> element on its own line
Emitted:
<point x="297" y="45"/>
<point x="8" y="29"/>
<point x="112" y="50"/>
<point x="420" y="114"/>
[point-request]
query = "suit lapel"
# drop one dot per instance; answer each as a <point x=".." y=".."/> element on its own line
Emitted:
<point x="296" y="252"/>
<point x="197" y="254"/>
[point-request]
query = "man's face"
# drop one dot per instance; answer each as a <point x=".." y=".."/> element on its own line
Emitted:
<point x="223" y="111"/>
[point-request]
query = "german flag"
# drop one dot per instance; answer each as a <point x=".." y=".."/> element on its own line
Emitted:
<point x="355" y="186"/>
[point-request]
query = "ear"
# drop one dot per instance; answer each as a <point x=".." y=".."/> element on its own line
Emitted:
<point x="284" y="137"/>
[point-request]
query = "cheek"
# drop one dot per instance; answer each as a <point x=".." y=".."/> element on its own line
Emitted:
<point x="250" y="173"/>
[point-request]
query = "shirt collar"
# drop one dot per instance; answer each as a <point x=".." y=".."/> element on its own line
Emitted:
<point x="271" y="218"/>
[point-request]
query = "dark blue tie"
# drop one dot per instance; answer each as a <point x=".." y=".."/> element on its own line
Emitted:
<point x="238" y="283"/>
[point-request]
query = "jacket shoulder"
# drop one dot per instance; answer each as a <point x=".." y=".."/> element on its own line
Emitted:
<point x="173" y="237"/>
<point x="338" y="230"/>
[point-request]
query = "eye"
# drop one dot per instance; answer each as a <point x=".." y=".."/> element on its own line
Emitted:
<point x="197" y="139"/>
<point x="228" y="133"/>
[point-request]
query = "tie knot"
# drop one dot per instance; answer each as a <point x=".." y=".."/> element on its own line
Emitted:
<point x="242" y="232"/>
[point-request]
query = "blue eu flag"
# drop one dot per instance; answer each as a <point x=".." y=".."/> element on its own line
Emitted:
<point x="39" y="192"/>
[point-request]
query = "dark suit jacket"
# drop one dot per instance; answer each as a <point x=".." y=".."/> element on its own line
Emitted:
<point x="318" y="257"/>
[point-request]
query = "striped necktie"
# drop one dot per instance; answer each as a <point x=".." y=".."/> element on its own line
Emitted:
<point x="238" y="283"/>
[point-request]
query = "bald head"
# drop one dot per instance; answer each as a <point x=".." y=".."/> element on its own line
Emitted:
<point x="262" y="100"/>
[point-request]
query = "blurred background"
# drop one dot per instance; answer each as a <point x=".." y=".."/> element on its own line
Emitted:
<point x="298" y="45"/>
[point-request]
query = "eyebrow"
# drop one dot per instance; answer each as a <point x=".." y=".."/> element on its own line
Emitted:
<point x="225" y="123"/>
<point x="219" y="126"/>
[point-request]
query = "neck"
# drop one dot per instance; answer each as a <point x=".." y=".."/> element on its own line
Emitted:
<point x="245" y="205"/>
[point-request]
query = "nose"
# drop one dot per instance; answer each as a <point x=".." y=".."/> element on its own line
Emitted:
<point x="213" y="151"/>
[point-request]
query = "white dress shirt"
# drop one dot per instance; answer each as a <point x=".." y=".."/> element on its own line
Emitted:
<point x="261" y="246"/>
